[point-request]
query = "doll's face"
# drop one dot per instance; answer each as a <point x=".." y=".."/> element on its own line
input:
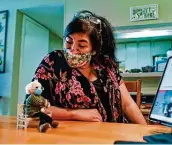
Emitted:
<point x="34" y="88"/>
<point x="36" y="85"/>
<point x="37" y="88"/>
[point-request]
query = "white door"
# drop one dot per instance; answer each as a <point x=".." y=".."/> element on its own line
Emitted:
<point x="34" y="46"/>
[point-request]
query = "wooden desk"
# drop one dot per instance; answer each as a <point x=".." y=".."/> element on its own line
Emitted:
<point x="75" y="132"/>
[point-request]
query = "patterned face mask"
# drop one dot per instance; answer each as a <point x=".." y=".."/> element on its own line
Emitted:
<point x="77" y="60"/>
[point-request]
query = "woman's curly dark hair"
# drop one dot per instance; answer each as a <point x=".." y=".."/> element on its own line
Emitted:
<point x="100" y="32"/>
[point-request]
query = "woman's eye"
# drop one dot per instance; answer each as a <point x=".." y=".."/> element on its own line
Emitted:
<point x="82" y="46"/>
<point x="69" y="42"/>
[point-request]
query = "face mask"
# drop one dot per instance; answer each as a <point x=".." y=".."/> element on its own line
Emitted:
<point x="77" y="60"/>
<point x="38" y="92"/>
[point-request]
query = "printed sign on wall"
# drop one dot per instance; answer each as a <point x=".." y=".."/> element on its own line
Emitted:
<point x="146" y="12"/>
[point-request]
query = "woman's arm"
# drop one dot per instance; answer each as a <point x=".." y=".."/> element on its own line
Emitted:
<point x="60" y="113"/>
<point x="47" y="74"/>
<point x="75" y="114"/>
<point x="129" y="107"/>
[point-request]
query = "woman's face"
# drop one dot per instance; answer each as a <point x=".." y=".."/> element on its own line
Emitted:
<point x="78" y="43"/>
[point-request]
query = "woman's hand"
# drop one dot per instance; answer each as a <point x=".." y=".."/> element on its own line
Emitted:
<point x="86" y="115"/>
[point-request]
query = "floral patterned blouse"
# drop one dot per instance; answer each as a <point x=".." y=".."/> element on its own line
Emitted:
<point x="66" y="87"/>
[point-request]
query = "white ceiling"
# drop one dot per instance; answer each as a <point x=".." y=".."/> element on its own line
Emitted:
<point x="50" y="16"/>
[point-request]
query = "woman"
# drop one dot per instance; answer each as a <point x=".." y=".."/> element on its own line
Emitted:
<point x="83" y="82"/>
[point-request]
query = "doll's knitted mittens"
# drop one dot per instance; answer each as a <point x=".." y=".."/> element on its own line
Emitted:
<point x="44" y="127"/>
<point x="54" y="124"/>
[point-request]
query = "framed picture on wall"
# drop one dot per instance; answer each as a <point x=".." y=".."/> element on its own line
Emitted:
<point x="3" y="38"/>
<point x="159" y="62"/>
<point x="145" y="12"/>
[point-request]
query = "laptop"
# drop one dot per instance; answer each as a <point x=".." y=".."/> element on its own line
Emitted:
<point x="161" y="110"/>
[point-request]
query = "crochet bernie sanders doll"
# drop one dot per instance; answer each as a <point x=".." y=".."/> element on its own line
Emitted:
<point x="36" y="105"/>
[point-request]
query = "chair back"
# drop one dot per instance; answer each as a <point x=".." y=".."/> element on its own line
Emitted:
<point x="21" y="117"/>
<point x="135" y="86"/>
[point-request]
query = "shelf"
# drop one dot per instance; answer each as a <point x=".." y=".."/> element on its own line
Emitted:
<point x="149" y="74"/>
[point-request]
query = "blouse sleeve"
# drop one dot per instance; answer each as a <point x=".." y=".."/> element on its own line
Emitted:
<point x="45" y="74"/>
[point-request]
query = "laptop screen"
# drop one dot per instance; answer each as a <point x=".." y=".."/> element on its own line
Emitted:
<point x="162" y="106"/>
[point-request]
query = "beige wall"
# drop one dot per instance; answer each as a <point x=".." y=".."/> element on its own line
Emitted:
<point x="117" y="11"/>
